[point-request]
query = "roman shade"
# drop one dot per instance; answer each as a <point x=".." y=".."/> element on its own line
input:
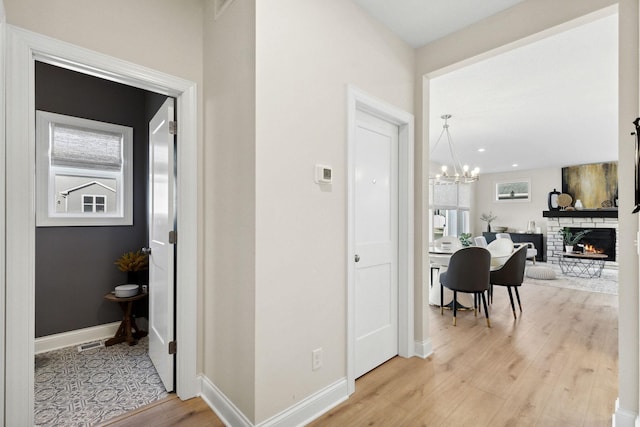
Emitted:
<point x="87" y="149"/>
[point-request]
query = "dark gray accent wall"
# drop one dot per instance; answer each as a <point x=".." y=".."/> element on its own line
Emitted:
<point x="75" y="265"/>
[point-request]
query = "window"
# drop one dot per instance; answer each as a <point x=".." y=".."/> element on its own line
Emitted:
<point x="83" y="172"/>
<point x="94" y="204"/>
<point x="449" y="206"/>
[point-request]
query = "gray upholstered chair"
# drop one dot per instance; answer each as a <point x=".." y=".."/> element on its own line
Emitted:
<point x="480" y="241"/>
<point x="511" y="275"/>
<point x="532" y="252"/>
<point x="468" y="272"/>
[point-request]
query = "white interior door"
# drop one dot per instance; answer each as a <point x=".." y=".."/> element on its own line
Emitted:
<point x="376" y="242"/>
<point x="161" y="258"/>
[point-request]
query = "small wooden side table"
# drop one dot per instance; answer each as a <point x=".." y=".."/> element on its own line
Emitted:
<point x="128" y="321"/>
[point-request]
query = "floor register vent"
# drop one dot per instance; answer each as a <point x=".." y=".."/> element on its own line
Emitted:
<point x="90" y="345"/>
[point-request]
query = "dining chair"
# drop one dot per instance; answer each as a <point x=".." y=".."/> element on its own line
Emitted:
<point x="532" y="252"/>
<point x="501" y="250"/>
<point x="468" y="272"/>
<point x="480" y="241"/>
<point x="511" y="275"/>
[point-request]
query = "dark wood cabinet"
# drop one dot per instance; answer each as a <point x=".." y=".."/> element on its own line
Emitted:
<point x="536" y="239"/>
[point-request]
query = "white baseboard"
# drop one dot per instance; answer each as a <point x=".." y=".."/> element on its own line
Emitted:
<point x="423" y="349"/>
<point x="310" y="408"/>
<point x="228" y="413"/>
<point x="79" y="336"/>
<point x="297" y="415"/>
<point x="624" y="417"/>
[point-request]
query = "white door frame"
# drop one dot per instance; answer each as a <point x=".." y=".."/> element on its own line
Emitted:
<point x="2" y="203"/>
<point x="22" y="49"/>
<point x="359" y="100"/>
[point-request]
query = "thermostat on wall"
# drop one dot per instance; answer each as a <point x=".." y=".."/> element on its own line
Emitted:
<point x="323" y="174"/>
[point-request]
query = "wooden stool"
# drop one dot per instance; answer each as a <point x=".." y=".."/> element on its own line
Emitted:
<point x="128" y="322"/>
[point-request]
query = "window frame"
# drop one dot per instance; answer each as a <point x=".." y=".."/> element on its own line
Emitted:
<point x="46" y="215"/>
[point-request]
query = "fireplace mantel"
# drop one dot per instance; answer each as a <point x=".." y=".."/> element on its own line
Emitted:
<point x="583" y="213"/>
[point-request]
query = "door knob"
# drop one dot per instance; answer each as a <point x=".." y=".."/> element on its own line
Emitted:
<point x="357" y="258"/>
<point x="146" y="251"/>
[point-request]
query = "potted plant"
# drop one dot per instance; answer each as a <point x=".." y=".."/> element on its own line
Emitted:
<point x="132" y="263"/>
<point x="570" y="238"/>
<point x="465" y="239"/>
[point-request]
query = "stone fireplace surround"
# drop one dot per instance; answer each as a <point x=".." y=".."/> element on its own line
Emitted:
<point x="557" y="220"/>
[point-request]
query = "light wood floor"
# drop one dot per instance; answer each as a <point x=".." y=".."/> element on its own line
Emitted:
<point x="169" y="412"/>
<point x="554" y="366"/>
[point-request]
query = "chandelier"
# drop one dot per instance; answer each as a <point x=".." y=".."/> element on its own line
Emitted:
<point x="457" y="173"/>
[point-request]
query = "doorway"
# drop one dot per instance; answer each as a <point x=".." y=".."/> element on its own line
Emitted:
<point x="75" y="264"/>
<point x="75" y="268"/>
<point x="23" y="49"/>
<point x="360" y="102"/>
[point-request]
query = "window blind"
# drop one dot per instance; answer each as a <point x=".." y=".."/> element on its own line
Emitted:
<point x="83" y="148"/>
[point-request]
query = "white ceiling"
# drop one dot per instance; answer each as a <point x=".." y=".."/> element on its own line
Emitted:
<point x="551" y="103"/>
<point x="419" y="22"/>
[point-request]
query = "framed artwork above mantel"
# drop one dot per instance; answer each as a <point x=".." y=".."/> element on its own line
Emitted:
<point x="595" y="184"/>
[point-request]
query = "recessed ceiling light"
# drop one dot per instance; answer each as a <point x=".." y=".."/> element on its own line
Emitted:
<point x="515" y="165"/>
<point x="481" y="150"/>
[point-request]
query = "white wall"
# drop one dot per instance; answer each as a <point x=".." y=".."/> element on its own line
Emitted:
<point x="628" y="375"/>
<point x="2" y="204"/>
<point x="229" y="198"/>
<point x="515" y="215"/>
<point x="307" y="52"/>
<point x="527" y="21"/>
<point x="161" y="34"/>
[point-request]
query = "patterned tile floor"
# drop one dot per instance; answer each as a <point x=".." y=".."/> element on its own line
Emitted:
<point x="85" y="388"/>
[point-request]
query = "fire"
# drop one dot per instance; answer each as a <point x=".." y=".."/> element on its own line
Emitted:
<point x="592" y="249"/>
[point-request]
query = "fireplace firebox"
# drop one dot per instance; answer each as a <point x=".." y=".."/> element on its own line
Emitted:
<point x="598" y="240"/>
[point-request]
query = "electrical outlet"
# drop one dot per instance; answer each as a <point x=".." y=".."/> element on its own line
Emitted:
<point x="316" y="359"/>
